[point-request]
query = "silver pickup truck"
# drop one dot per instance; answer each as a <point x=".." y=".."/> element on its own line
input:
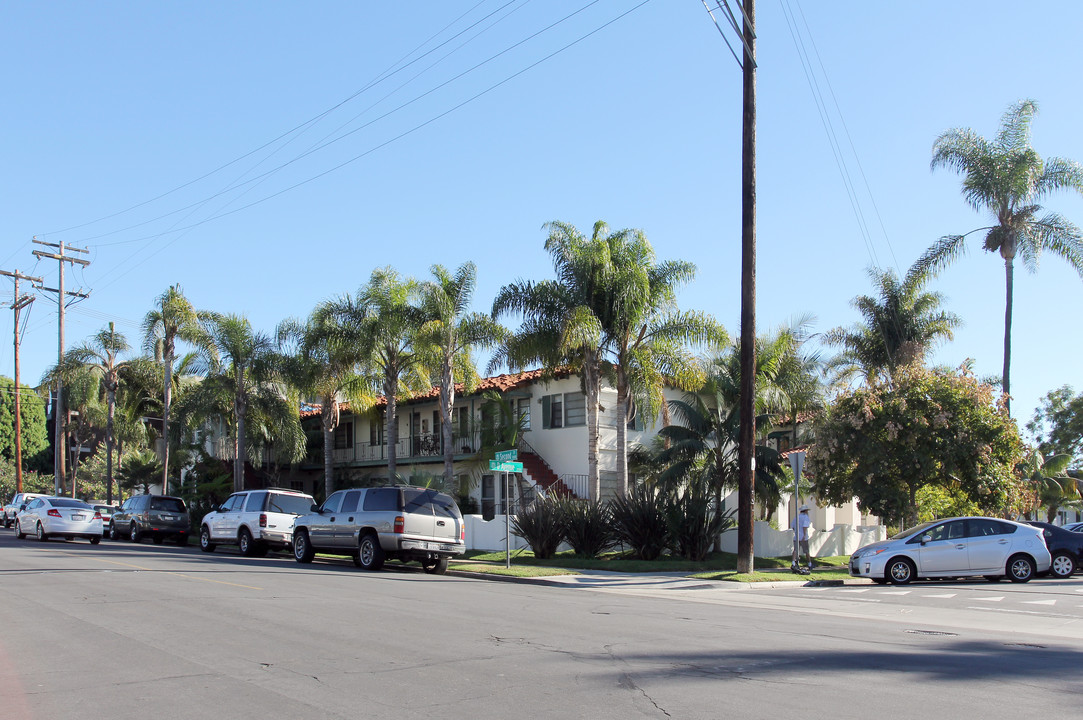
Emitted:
<point x="372" y="525"/>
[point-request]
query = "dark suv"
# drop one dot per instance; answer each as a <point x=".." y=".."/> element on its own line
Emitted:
<point x="155" y="516"/>
<point x="387" y="523"/>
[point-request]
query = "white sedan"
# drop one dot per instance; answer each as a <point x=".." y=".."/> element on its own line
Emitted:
<point x="46" y="517"/>
<point x="955" y="547"/>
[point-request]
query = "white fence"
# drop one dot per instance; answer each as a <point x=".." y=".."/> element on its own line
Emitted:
<point x="484" y="534"/>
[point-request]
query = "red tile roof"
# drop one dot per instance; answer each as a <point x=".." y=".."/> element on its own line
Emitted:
<point x="500" y="383"/>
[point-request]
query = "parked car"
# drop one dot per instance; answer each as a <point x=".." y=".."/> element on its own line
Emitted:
<point x="955" y="547"/>
<point x="159" y="517"/>
<point x="107" y="517"/>
<point x="255" y="521"/>
<point x="1065" y="548"/>
<point x="1074" y="527"/>
<point x="60" y="517"/>
<point x="387" y="523"/>
<point x="17" y="501"/>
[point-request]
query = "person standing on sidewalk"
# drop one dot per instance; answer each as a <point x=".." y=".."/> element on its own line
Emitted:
<point x="801" y="525"/>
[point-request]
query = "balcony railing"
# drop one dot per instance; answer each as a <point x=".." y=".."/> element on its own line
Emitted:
<point x="424" y="445"/>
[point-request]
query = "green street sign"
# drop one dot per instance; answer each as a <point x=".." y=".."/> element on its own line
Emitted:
<point x="505" y="466"/>
<point x="507" y="455"/>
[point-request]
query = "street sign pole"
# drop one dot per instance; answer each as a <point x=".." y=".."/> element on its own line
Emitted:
<point x="507" y="524"/>
<point x="797" y="462"/>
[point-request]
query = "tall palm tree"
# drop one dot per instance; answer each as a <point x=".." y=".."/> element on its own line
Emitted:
<point x="100" y="355"/>
<point x="646" y="339"/>
<point x="560" y="324"/>
<point x="449" y="334"/>
<point x="173" y="318"/>
<point x="324" y="364"/>
<point x="898" y="328"/>
<point x="242" y="387"/>
<point x="1006" y="178"/>
<point x="386" y="317"/>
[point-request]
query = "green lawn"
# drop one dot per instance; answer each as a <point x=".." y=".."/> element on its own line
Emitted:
<point x="717" y="566"/>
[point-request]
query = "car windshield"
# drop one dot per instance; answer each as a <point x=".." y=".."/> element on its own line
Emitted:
<point x="69" y="503"/>
<point x="913" y="531"/>
<point x="167" y="504"/>
<point x="292" y="504"/>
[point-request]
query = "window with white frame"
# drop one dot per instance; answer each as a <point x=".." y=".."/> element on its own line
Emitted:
<point x="344" y="435"/>
<point x="564" y="410"/>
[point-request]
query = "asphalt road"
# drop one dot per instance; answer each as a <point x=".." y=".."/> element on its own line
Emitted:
<point x="122" y="631"/>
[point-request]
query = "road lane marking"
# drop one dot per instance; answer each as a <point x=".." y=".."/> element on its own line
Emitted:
<point x="946" y="596"/>
<point x="1023" y="612"/>
<point x="147" y="569"/>
<point x="1039" y="602"/>
<point x="855" y="590"/>
<point x="895" y="592"/>
<point x="990" y="599"/>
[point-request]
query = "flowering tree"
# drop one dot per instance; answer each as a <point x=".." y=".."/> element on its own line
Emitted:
<point x="882" y="443"/>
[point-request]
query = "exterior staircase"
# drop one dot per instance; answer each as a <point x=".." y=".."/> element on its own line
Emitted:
<point x="543" y="475"/>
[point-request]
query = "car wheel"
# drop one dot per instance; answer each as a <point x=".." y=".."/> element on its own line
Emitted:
<point x="1020" y="568"/>
<point x="40" y="532"/>
<point x="370" y="556"/>
<point x="113" y="533"/>
<point x="133" y="533"/>
<point x="205" y="543"/>
<point x="303" y="552"/>
<point x="7" y="523"/>
<point x="19" y="534"/>
<point x="95" y="540"/>
<point x="245" y="543"/>
<point x="1063" y="565"/>
<point x="435" y="567"/>
<point x="900" y="571"/>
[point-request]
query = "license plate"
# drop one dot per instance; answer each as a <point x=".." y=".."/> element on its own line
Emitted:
<point x="78" y="517"/>
<point x="167" y="517"/>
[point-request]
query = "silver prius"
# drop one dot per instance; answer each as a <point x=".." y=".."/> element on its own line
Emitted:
<point x="47" y="517"/>
<point x="955" y="547"/>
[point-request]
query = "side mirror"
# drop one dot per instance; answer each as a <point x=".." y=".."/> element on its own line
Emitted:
<point x="926" y="539"/>
<point x="315" y="508"/>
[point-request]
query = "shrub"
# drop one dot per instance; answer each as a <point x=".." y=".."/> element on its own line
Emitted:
<point x="639" y="521"/>
<point x="587" y="526"/>
<point x="694" y="522"/>
<point x="540" y="524"/>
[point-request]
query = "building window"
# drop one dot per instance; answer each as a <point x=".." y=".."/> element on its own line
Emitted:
<point x="488" y="497"/>
<point x="564" y="410"/>
<point x="523" y="411"/>
<point x="376" y="431"/>
<point x="344" y="436"/>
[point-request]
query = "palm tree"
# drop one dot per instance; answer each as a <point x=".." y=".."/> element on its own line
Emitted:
<point x="242" y="387"/>
<point x="324" y="364"/>
<point x="100" y="356"/>
<point x="173" y="318"/>
<point x="798" y="383"/>
<point x="449" y="335"/>
<point x="560" y="323"/>
<point x="1053" y="487"/>
<point x="898" y="328"/>
<point x="1008" y="179"/>
<point x="386" y="317"/>
<point x="646" y="339"/>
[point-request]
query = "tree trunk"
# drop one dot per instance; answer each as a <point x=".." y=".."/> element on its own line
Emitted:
<point x="111" y="399"/>
<point x="593" y="388"/>
<point x="391" y="386"/>
<point x="447" y="404"/>
<point x="1009" y="280"/>
<point x="240" y="408"/>
<point x="622" y="432"/>
<point x="167" y="399"/>
<point x="327" y="419"/>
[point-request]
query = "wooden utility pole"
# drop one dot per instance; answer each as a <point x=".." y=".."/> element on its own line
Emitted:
<point x="746" y="438"/>
<point x="60" y="423"/>
<point x="18" y="304"/>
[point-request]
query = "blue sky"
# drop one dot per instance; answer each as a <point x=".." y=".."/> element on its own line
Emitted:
<point x="466" y="152"/>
